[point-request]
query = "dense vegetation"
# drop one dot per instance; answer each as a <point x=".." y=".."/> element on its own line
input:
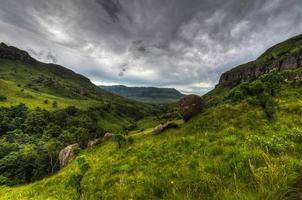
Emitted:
<point x="31" y="139"/>
<point x="146" y="94"/>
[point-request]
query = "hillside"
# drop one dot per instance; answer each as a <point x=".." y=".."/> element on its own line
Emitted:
<point x="45" y="107"/>
<point x="146" y="94"/>
<point x="222" y="153"/>
<point x="238" y="155"/>
<point x="25" y="80"/>
<point x="283" y="56"/>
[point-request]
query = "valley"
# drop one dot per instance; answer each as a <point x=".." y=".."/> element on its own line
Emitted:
<point x="243" y="143"/>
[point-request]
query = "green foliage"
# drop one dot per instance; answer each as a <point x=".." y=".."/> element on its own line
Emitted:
<point x="259" y="93"/>
<point x="31" y="140"/>
<point x="130" y="140"/>
<point x="3" y="98"/>
<point x="119" y="139"/>
<point x="55" y="104"/>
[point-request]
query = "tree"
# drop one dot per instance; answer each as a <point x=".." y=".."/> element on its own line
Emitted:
<point x="54" y="104"/>
<point x="120" y="139"/>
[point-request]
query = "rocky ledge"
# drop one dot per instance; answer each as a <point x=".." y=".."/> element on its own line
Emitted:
<point x="284" y="56"/>
<point x="13" y="53"/>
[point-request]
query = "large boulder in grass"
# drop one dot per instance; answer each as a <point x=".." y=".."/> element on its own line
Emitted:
<point x="67" y="154"/>
<point x="162" y="127"/>
<point x="190" y="106"/>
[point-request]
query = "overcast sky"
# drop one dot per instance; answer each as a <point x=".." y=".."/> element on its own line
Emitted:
<point x="186" y="44"/>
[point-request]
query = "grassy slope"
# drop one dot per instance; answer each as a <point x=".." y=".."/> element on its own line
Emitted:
<point x="223" y="153"/>
<point x="35" y="99"/>
<point x="32" y="84"/>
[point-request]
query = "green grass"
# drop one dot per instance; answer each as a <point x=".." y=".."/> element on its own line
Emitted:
<point x="231" y="151"/>
<point x="16" y="95"/>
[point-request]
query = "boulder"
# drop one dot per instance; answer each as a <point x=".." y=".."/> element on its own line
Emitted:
<point x="190" y="106"/>
<point x="67" y="154"/>
<point x="108" y="136"/>
<point x="94" y="142"/>
<point x="162" y="127"/>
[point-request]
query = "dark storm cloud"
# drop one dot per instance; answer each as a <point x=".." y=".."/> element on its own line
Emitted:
<point x="170" y="43"/>
<point x="111" y="7"/>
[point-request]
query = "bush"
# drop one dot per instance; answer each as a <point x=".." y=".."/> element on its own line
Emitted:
<point x="3" y="98"/>
<point x="130" y="140"/>
<point x="119" y="139"/>
<point x="55" y="104"/>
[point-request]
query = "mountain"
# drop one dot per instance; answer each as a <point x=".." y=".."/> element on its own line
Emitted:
<point x="145" y="94"/>
<point x="283" y="56"/>
<point x="246" y="144"/>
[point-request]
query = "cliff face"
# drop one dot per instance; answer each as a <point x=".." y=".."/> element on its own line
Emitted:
<point x="13" y="53"/>
<point x="284" y="56"/>
<point x="236" y="76"/>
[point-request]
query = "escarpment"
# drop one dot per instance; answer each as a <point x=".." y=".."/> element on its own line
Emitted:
<point x="284" y="56"/>
<point x="13" y="53"/>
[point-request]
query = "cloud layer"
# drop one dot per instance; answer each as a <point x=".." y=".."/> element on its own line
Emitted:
<point x="166" y="43"/>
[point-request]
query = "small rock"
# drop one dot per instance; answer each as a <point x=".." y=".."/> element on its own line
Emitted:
<point x="108" y="136"/>
<point x="161" y="128"/>
<point x="94" y="142"/>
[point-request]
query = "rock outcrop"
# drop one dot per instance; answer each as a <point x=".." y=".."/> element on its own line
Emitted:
<point x="13" y="53"/>
<point x="94" y="142"/>
<point x="107" y="136"/>
<point x="190" y="106"/>
<point x="253" y="70"/>
<point x="67" y="154"/>
<point x="162" y="127"/>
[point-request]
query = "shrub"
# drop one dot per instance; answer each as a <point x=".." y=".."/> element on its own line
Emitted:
<point x="120" y="139"/>
<point x="130" y="140"/>
<point x="55" y="104"/>
<point x="3" y="98"/>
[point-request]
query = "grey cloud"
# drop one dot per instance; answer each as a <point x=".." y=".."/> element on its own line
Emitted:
<point x="45" y="56"/>
<point x="112" y="7"/>
<point x="185" y="44"/>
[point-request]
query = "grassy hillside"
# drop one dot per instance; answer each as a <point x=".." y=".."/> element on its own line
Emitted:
<point x="146" y="94"/>
<point x="45" y="107"/>
<point x="52" y="87"/>
<point x="223" y="153"/>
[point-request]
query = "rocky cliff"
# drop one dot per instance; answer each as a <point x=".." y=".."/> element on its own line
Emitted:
<point x="286" y="55"/>
<point x="13" y="53"/>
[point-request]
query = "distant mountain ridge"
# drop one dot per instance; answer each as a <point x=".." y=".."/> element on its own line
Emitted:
<point x="145" y="94"/>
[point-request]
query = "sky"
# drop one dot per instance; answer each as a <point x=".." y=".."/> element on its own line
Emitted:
<point x="184" y="44"/>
